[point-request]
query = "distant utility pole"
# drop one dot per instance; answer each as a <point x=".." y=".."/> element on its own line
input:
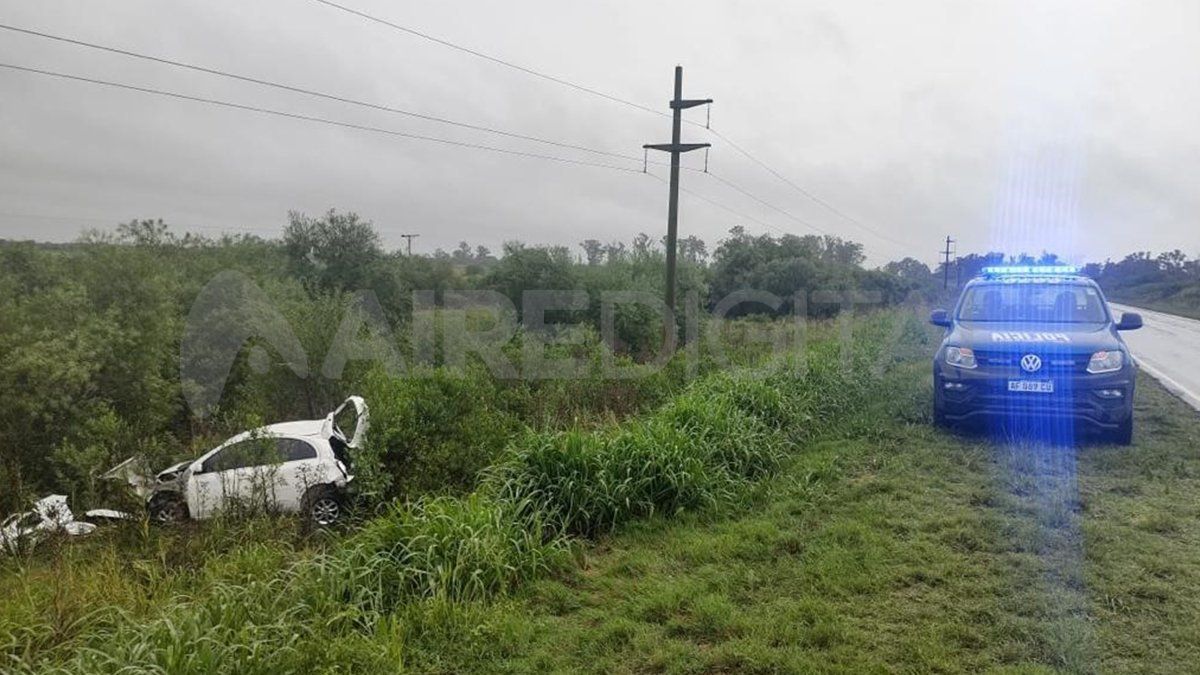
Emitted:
<point x="678" y="104"/>
<point x="410" y="237"/>
<point x="946" y="265"/>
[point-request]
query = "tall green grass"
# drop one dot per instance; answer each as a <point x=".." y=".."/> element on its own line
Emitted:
<point x="273" y="608"/>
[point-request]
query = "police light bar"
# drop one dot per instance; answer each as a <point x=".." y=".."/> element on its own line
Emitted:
<point x="1030" y="270"/>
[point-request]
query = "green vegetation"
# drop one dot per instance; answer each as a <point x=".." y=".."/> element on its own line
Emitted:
<point x="270" y="604"/>
<point x="888" y="547"/>
<point x="768" y="512"/>
<point x="92" y="335"/>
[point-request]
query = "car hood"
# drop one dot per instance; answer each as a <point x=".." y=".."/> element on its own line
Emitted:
<point x="1058" y="338"/>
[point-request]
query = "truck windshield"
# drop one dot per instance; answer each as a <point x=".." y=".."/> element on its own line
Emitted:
<point x="1032" y="303"/>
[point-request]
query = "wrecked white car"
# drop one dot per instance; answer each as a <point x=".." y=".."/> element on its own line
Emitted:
<point x="291" y="467"/>
<point x="49" y="514"/>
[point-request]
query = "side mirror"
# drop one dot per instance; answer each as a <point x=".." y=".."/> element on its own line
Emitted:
<point x="939" y="317"/>
<point x="1130" y="321"/>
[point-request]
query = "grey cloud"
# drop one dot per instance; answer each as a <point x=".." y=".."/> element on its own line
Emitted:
<point x="920" y="119"/>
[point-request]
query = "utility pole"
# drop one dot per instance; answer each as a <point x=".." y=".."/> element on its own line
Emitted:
<point x="946" y="265"/>
<point x="678" y="105"/>
<point x="410" y="237"/>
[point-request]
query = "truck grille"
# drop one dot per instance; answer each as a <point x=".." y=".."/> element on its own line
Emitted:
<point x="1051" y="363"/>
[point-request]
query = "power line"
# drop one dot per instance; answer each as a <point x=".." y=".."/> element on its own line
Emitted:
<point x="766" y="203"/>
<point x="493" y="59"/>
<point x="314" y="93"/>
<point x="719" y="205"/>
<point x="833" y="209"/>
<point x="309" y="118"/>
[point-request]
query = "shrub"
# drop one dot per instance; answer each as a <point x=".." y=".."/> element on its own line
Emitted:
<point x="468" y="548"/>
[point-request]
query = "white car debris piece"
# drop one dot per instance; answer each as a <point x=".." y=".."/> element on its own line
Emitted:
<point x="292" y="467"/>
<point x="133" y="471"/>
<point x="49" y="514"/>
<point x="108" y="514"/>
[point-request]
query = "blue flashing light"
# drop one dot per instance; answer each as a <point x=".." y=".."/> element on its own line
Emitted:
<point x="1030" y="270"/>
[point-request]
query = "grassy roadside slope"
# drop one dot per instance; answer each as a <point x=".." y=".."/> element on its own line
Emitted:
<point x="424" y="567"/>
<point x="898" y="549"/>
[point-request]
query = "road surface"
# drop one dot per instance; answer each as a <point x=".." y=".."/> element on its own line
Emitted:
<point x="1168" y="348"/>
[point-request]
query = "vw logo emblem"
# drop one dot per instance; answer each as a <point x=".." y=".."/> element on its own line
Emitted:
<point x="1031" y="363"/>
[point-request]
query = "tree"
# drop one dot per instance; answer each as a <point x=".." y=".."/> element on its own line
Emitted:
<point x="336" y="251"/>
<point x="524" y="268"/>
<point x="462" y="254"/>
<point x="692" y="249"/>
<point x="785" y="266"/>
<point x="641" y="244"/>
<point x="593" y="251"/>
<point x="910" y="269"/>
<point x="614" y="251"/>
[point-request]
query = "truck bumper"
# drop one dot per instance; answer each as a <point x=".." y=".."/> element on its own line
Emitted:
<point x="1103" y="401"/>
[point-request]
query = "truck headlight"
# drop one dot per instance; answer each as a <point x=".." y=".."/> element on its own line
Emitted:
<point x="960" y="357"/>
<point x="1106" y="362"/>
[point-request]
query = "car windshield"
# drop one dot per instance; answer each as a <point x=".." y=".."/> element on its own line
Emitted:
<point x="1033" y="303"/>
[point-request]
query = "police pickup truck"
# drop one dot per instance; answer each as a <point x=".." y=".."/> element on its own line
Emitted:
<point x="1035" y="345"/>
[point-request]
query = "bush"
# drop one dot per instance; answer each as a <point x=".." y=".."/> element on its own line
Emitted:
<point x="431" y="433"/>
<point x="469" y="548"/>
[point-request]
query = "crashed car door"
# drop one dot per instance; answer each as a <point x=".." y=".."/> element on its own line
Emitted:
<point x="353" y="416"/>
<point x="299" y="469"/>
<point x="222" y="479"/>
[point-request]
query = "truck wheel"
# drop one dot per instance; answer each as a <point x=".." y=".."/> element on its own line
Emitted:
<point x="167" y="507"/>
<point x="939" y="413"/>
<point x="1124" y="433"/>
<point x="323" y="506"/>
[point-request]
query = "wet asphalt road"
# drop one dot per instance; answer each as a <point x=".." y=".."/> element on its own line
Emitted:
<point x="1168" y="348"/>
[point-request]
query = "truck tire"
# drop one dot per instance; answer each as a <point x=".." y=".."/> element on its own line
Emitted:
<point x="939" y="413"/>
<point x="1123" y="435"/>
<point x="323" y="506"/>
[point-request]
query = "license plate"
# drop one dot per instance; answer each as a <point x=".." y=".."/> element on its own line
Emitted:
<point x="1032" y="386"/>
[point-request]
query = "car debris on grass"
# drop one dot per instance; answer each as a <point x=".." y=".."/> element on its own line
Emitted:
<point x="49" y="514"/>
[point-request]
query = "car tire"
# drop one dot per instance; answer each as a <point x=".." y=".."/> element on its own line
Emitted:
<point x="1123" y="435"/>
<point x="167" y="508"/>
<point x="323" y="506"/>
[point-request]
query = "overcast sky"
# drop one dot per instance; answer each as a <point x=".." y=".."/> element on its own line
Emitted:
<point x="1018" y="126"/>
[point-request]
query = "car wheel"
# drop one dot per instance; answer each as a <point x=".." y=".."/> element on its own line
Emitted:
<point x="167" y="508"/>
<point x="323" y="506"/>
<point x="1124" y="433"/>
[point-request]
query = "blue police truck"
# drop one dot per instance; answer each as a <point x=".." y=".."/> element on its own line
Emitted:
<point x="1037" y="347"/>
